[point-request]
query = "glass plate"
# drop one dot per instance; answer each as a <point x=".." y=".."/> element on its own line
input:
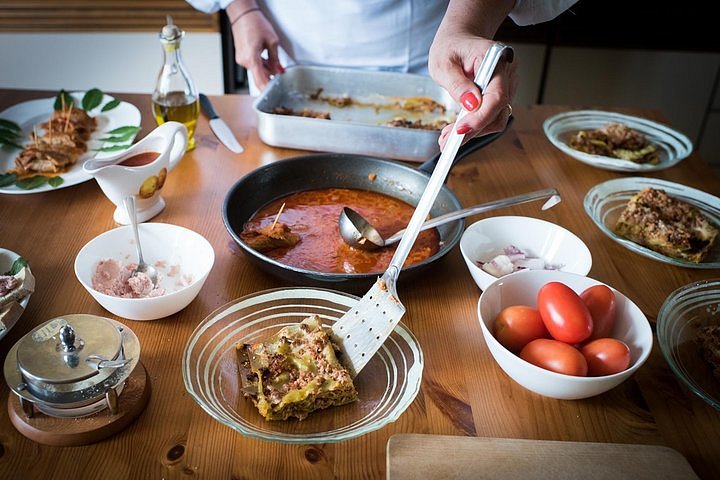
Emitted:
<point x="386" y="386"/>
<point x="7" y="257"/>
<point x="29" y="115"/>
<point x="682" y="314"/>
<point x="606" y="201"/>
<point x="674" y="146"/>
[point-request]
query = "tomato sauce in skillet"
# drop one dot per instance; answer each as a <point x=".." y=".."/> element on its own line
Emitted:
<point x="313" y="215"/>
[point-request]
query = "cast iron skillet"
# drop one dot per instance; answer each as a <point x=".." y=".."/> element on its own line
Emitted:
<point x="329" y="170"/>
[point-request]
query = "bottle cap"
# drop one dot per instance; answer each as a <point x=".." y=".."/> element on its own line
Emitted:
<point x="171" y="32"/>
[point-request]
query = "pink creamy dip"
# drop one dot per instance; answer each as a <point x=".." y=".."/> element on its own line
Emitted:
<point x="112" y="278"/>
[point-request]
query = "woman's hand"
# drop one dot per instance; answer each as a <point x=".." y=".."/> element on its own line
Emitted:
<point x="253" y="35"/>
<point x="455" y="57"/>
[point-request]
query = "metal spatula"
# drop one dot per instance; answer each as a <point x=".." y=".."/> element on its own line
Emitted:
<point x="361" y="331"/>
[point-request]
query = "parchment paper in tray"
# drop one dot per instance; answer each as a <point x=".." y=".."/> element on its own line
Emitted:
<point x="377" y="97"/>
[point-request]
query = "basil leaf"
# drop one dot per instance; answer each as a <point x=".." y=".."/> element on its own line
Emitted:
<point x="17" y="265"/>
<point x="124" y="130"/>
<point x="63" y="97"/>
<point x="91" y="99"/>
<point x="119" y="138"/>
<point x="56" y="181"/>
<point x="7" y="179"/>
<point x="110" y="105"/>
<point x="7" y="135"/>
<point x="10" y="125"/>
<point x="32" y="182"/>
<point x="113" y="148"/>
<point x="11" y="144"/>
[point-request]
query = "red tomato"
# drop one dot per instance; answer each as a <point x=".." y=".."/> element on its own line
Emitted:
<point x="565" y="315"/>
<point x="516" y="326"/>
<point x="606" y="356"/>
<point x="556" y="356"/>
<point x="600" y="301"/>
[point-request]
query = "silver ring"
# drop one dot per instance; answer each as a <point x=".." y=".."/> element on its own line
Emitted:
<point x="509" y="109"/>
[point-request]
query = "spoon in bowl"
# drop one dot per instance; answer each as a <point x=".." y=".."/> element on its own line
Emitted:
<point x="142" y="267"/>
<point x="359" y="233"/>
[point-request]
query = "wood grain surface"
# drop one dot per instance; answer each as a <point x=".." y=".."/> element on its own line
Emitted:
<point x="44" y="16"/>
<point x="175" y="438"/>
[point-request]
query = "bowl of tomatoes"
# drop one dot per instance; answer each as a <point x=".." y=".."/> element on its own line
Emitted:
<point x="563" y="335"/>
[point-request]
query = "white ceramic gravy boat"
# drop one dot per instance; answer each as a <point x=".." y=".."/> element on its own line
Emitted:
<point x="143" y="174"/>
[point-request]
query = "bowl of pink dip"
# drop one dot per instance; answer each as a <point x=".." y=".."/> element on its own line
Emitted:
<point x="182" y="258"/>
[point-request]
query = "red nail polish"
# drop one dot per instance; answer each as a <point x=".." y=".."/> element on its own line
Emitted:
<point x="462" y="130"/>
<point x="282" y="70"/>
<point x="469" y="101"/>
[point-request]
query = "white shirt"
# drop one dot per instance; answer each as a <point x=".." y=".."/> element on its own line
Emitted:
<point x="392" y="35"/>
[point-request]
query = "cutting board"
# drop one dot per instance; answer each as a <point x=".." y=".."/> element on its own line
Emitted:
<point x="413" y="456"/>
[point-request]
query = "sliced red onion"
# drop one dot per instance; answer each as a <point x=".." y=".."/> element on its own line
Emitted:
<point x="503" y="261"/>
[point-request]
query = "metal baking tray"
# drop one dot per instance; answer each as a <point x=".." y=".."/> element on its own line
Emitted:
<point x="356" y="128"/>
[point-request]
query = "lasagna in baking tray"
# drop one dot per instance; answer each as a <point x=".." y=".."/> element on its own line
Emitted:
<point x="667" y="225"/>
<point x="294" y="372"/>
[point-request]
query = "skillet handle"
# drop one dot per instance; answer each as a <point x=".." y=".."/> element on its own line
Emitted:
<point x="466" y="149"/>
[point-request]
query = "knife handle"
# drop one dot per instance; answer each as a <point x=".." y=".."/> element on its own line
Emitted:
<point x="207" y="107"/>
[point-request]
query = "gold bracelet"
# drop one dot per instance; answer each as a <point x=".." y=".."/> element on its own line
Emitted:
<point x="249" y="10"/>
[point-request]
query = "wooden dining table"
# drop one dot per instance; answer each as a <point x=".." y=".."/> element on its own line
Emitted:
<point x="463" y="391"/>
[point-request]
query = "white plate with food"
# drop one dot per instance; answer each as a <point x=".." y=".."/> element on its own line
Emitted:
<point x="680" y="223"/>
<point x="14" y="292"/>
<point x="613" y="141"/>
<point x="56" y="150"/>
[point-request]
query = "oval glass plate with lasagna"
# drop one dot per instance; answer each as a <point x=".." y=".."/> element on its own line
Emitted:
<point x="223" y="384"/>
<point x="16" y="286"/>
<point x="613" y="141"/>
<point x="662" y="220"/>
<point x="53" y="156"/>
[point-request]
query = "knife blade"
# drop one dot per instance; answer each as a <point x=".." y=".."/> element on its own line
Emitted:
<point x="219" y="127"/>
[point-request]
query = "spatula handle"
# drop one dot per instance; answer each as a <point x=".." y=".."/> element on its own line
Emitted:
<point x="482" y="78"/>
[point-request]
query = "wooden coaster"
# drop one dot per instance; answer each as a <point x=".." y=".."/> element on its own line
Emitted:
<point x="64" y="432"/>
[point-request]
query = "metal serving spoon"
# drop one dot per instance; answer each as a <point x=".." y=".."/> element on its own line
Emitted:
<point x="142" y="267"/>
<point x="359" y="233"/>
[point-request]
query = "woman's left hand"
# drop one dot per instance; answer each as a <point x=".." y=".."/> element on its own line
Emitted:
<point x="454" y="59"/>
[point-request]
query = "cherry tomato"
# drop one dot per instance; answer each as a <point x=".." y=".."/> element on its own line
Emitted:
<point x="556" y="356"/>
<point x="565" y="315"/>
<point x="606" y="356"/>
<point x="600" y="301"/>
<point x="516" y="326"/>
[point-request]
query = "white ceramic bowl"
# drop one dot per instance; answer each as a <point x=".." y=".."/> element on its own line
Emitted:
<point x="172" y="245"/>
<point x="631" y="326"/>
<point x="539" y="238"/>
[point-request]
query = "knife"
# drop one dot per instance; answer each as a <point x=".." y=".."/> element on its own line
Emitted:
<point x="219" y="127"/>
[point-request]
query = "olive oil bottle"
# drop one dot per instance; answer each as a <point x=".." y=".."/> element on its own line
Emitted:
<point x="175" y="97"/>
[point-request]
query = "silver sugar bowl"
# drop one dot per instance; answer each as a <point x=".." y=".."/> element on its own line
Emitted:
<point x="72" y="366"/>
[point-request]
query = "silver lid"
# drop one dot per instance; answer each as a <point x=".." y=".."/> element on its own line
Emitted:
<point x="67" y="349"/>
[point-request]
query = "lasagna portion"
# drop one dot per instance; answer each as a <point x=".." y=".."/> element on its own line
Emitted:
<point x="667" y="225"/>
<point x="305" y="112"/>
<point x="616" y="140"/>
<point x="708" y="337"/>
<point x="418" y="124"/>
<point x="410" y="106"/>
<point x="294" y="372"/>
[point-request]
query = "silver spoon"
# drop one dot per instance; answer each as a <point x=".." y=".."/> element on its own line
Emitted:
<point x="359" y="233"/>
<point x="142" y="267"/>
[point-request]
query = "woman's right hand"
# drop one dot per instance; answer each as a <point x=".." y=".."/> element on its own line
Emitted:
<point x="253" y="35"/>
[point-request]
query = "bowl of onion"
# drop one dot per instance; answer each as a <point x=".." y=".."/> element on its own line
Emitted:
<point x="497" y="246"/>
<point x="563" y="335"/>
